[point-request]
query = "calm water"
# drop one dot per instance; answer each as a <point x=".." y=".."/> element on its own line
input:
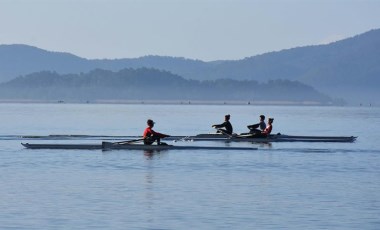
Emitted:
<point x="279" y="186"/>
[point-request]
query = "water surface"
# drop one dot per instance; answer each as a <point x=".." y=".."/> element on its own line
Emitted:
<point x="279" y="186"/>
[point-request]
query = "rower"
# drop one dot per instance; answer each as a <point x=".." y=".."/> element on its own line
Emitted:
<point x="268" y="129"/>
<point x="226" y="125"/>
<point x="150" y="136"/>
<point x="259" y="127"/>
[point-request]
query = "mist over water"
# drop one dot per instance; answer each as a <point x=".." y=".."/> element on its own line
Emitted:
<point x="281" y="185"/>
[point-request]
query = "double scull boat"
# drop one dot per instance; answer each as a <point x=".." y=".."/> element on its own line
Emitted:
<point x="270" y="138"/>
<point x="204" y="137"/>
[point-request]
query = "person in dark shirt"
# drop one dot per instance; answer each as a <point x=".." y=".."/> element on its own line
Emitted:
<point x="259" y="127"/>
<point x="150" y="136"/>
<point x="226" y="125"/>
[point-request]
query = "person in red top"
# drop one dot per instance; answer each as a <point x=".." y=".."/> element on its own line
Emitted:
<point x="150" y="136"/>
<point x="268" y="129"/>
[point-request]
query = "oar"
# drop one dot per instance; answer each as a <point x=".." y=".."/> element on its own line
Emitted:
<point x="104" y="144"/>
<point x="129" y="141"/>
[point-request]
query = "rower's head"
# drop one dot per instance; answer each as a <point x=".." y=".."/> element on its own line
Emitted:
<point x="262" y="118"/>
<point x="150" y="122"/>
<point x="270" y="120"/>
<point x="227" y="117"/>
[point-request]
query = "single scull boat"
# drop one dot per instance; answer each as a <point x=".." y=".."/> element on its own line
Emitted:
<point x="115" y="145"/>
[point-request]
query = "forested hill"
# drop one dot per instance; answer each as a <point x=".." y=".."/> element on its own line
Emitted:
<point x="151" y="84"/>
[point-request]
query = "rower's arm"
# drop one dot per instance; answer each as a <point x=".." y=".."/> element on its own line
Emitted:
<point x="254" y="126"/>
<point x="160" y="134"/>
<point x="219" y="126"/>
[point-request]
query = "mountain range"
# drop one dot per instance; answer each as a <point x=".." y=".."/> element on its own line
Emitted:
<point x="348" y="69"/>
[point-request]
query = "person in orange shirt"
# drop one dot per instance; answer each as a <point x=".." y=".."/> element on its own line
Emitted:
<point x="150" y="136"/>
<point x="269" y="127"/>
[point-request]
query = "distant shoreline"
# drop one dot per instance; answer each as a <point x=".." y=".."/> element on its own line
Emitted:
<point x="166" y="102"/>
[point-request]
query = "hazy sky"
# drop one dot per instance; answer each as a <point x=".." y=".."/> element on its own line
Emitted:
<point x="196" y="29"/>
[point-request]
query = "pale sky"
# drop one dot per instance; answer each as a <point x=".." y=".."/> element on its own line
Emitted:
<point x="198" y="29"/>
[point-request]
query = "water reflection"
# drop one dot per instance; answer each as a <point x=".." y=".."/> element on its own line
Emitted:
<point x="265" y="145"/>
<point x="150" y="154"/>
<point x="149" y="194"/>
